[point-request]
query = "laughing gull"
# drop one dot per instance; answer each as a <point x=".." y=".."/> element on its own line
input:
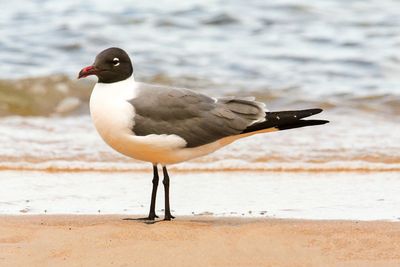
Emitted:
<point x="166" y="125"/>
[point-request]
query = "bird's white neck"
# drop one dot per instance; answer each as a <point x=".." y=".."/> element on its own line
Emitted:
<point x="122" y="90"/>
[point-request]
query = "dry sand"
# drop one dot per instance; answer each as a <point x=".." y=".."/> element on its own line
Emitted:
<point x="195" y="241"/>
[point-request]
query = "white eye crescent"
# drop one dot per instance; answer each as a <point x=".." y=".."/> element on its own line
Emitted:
<point x="116" y="61"/>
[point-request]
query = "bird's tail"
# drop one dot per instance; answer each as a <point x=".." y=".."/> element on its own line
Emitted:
<point x="284" y="120"/>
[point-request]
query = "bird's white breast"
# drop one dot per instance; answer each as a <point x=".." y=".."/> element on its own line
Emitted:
<point x="111" y="112"/>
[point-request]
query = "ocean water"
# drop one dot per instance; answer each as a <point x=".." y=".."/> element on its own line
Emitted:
<point x="340" y="55"/>
<point x="324" y="47"/>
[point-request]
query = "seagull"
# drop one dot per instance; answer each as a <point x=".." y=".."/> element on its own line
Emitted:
<point x="167" y="125"/>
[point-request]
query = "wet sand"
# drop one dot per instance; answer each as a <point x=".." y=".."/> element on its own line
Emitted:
<point x="292" y="195"/>
<point x="195" y="241"/>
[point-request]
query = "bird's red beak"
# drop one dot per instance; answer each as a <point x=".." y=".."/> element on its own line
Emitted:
<point x="89" y="70"/>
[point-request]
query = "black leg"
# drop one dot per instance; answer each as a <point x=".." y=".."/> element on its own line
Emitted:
<point x="168" y="215"/>
<point x="152" y="213"/>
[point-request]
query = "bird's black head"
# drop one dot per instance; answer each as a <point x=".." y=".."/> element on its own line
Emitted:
<point x="111" y="65"/>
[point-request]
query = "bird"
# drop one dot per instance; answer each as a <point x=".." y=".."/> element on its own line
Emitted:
<point x="166" y="125"/>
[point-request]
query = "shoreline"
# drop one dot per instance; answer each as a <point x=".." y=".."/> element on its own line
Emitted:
<point x="203" y="217"/>
<point x="105" y="240"/>
<point x="314" y="170"/>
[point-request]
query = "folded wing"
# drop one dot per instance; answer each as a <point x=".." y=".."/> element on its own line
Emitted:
<point x="196" y="118"/>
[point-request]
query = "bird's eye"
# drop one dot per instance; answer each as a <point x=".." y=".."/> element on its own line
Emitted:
<point x="116" y="61"/>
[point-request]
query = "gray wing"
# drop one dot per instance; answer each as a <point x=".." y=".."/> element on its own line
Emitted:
<point x="195" y="117"/>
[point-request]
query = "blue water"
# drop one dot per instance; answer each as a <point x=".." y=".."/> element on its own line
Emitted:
<point x="323" y="47"/>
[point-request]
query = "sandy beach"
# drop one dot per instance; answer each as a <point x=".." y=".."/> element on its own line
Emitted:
<point x="195" y="241"/>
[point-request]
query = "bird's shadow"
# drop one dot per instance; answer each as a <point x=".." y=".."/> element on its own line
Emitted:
<point x="143" y="220"/>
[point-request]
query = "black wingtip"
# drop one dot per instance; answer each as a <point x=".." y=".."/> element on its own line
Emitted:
<point x="313" y="111"/>
<point x="284" y="120"/>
